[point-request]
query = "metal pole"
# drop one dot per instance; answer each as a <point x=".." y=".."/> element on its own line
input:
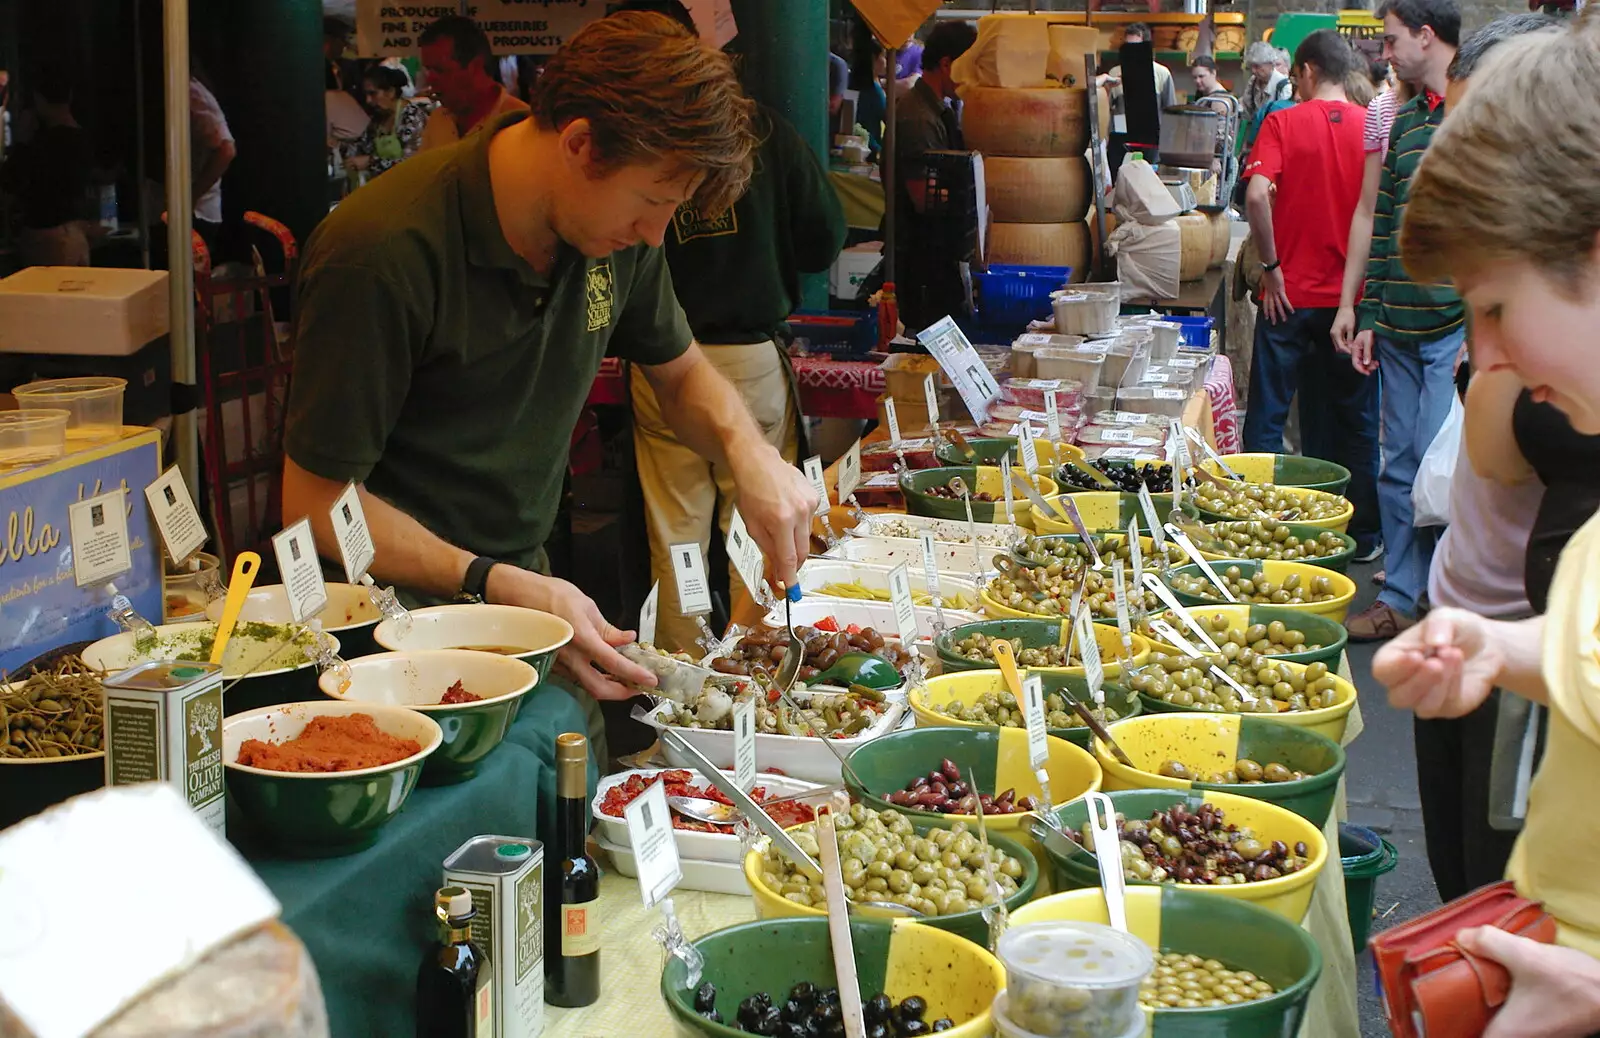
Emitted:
<point x="889" y="192"/>
<point x="180" y="227"/>
<point x="138" y="120"/>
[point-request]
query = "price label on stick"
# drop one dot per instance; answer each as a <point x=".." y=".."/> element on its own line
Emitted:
<point x="1033" y="717"/>
<point x="930" y="390"/>
<point x="99" y="531"/>
<point x="1005" y="481"/>
<point x="813" y="470"/>
<point x="744" y="742"/>
<point x="930" y="564"/>
<point x="1152" y="522"/>
<point x="655" y="851"/>
<point x="647" y="614"/>
<point x="849" y="472"/>
<point x="893" y="415"/>
<point x="1030" y="452"/>
<point x="1052" y="416"/>
<point x="689" y="573"/>
<point x="350" y="530"/>
<point x="745" y="553"/>
<point x="962" y="364"/>
<point x="1136" y="558"/>
<point x="905" y="610"/>
<point x="296" y="550"/>
<point x="1119" y="587"/>
<point x="1089" y="650"/>
<point x="175" y="514"/>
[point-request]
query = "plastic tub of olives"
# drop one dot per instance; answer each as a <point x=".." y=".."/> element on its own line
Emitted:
<point x="1066" y="979"/>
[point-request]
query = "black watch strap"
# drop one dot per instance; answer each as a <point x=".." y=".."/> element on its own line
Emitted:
<point x="1267" y="268"/>
<point x="473" y="585"/>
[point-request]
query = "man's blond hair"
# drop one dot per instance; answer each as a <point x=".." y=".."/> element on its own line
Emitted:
<point x="1512" y="173"/>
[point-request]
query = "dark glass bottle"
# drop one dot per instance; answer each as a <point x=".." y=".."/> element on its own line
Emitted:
<point x="572" y="938"/>
<point x="454" y="999"/>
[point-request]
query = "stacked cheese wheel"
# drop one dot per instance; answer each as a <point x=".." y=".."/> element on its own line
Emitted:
<point x="1033" y="141"/>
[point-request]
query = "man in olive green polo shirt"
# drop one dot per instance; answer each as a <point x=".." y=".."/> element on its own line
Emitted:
<point x="454" y="312"/>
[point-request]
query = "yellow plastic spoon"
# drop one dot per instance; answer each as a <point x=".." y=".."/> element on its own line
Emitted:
<point x="245" y="568"/>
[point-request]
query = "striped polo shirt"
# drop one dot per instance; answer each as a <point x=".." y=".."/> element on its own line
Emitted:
<point x="1393" y="305"/>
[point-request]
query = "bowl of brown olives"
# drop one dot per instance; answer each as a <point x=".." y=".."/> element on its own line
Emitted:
<point x="1290" y="635"/>
<point x="1293" y="585"/>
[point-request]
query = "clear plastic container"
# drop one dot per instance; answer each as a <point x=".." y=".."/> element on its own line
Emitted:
<point x="1005" y="1027"/>
<point x="1022" y="360"/>
<point x="189" y="588"/>
<point x="1165" y="337"/>
<point x="32" y="437"/>
<point x="1029" y="392"/>
<point x="1079" y="365"/>
<point x="93" y="403"/>
<point x="1067" y="978"/>
<point x="1085" y="313"/>
<point x="1098" y="400"/>
<point x="1161" y="400"/>
<point x="1125" y="361"/>
<point x="1169" y="375"/>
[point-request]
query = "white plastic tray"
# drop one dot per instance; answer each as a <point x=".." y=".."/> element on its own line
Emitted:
<point x="877" y="615"/>
<point x="817" y="573"/>
<point x="798" y="756"/>
<point x="691" y="845"/>
<point x="948" y="530"/>
<point x="891" y="551"/>
<point x="718" y="877"/>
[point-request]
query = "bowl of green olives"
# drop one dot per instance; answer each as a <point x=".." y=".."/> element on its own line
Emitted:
<point x="1035" y="645"/>
<point x="901" y="967"/>
<point x="936" y="867"/>
<point x="1020" y="591"/>
<point x="1231" y="500"/>
<point x="1069" y="552"/>
<point x="1107" y="511"/>
<point x="1293" y="585"/>
<point x="980" y="698"/>
<point x="1285" y="470"/>
<point x="1290" y="635"/>
<point x="1294" y="768"/>
<point x="1307" y="695"/>
<point x="1289" y="542"/>
<point x="1220" y="844"/>
<point x="1222" y="967"/>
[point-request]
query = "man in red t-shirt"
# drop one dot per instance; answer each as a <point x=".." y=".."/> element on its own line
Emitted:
<point x="1304" y="176"/>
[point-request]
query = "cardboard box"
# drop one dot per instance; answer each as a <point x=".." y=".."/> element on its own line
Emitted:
<point x="853" y="266"/>
<point x="88" y="311"/>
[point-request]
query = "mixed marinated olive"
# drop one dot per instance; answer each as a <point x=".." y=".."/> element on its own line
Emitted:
<point x="837" y="716"/>
<point x="883" y="859"/>
<point x="980" y="648"/>
<point x="1047" y="590"/>
<point x="1267" y="501"/>
<point x="1002" y="709"/>
<point x="813" y="1012"/>
<point x="945" y="791"/>
<point x="763" y="650"/>
<point x="950" y="493"/>
<point x="1277" y="687"/>
<point x="1190" y="982"/>
<point x="1072" y="553"/>
<point x="1199" y="847"/>
<point x="1257" y="588"/>
<point x="1270" y="539"/>
<point x="1245" y="772"/>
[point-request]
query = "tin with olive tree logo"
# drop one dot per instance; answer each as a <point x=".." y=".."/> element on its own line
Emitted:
<point x="164" y="724"/>
<point x="506" y="877"/>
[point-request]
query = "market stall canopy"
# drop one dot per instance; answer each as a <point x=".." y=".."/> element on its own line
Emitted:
<point x="893" y="21"/>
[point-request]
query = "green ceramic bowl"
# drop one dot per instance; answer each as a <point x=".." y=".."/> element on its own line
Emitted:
<point x="1318" y="630"/>
<point x="416" y="681"/>
<point x="322" y="814"/>
<point x="958" y="978"/>
<point x="28" y="785"/>
<point x="349" y="615"/>
<point x="1239" y="935"/>
<point x="1286" y="470"/>
<point x="929" y="704"/>
<point x="991" y="449"/>
<point x="984" y="479"/>
<point x="1338" y="561"/>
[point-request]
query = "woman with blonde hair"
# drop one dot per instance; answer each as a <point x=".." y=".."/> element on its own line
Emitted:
<point x="1506" y="204"/>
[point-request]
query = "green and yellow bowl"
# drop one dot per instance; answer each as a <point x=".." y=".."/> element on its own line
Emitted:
<point x="1286" y="470"/>
<point x="1319" y="630"/>
<point x="322" y="814"/>
<point x="1209" y="744"/>
<point x="1334" y="608"/>
<point x="1107" y="511"/>
<point x="1338" y="522"/>
<point x="959" y="978"/>
<point x="771" y="904"/>
<point x="416" y="681"/>
<point x="991" y="450"/>
<point x="929" y="704"/>
<point x="1036" y="633"/>
<point x="1330" y="721"/>
<point x="1288" y="896"/>
<point x="980" y="479"/>
<point x="1338" y="561"/>
<point x="1171" y="919"/>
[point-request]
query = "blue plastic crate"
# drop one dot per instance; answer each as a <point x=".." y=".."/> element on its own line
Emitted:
<point x="1015" y="295"/>
<point x="1196" y="330"/>
<point x="846" y="333"/>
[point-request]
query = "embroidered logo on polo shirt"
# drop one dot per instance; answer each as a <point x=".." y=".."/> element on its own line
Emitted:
<point x="597" y="289"/>
<point x="688" y="224"/>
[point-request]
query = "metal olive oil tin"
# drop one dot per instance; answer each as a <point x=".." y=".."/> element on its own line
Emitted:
<point x="164" y="724"/>
<point x="506" y="877"/>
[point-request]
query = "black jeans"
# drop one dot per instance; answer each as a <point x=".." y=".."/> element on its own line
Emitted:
<point x="1338" y="405"/>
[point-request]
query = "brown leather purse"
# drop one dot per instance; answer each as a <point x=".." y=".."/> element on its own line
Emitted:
<point x="1431" y="985"/>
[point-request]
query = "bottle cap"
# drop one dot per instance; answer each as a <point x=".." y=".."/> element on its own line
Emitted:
<point x="572" y="746"/>
<point x="453" y="904"/>
<point x="513" y="851"/>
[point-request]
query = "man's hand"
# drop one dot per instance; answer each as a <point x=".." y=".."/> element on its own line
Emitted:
<point x="594" y="640"/>
<point x="777" y="503"/>
<point x="1445" y="666"/>
<point x="1344" y="329"/>
<point x="1555" y="991"/>
<point x="1362" y="357"/>
<point x="1274" y="298"/>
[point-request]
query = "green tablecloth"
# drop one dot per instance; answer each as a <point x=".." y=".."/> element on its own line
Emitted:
<point x="367" y="918"/>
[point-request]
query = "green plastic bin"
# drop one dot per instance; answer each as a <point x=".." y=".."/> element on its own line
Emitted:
<point x="1365" y="856"/>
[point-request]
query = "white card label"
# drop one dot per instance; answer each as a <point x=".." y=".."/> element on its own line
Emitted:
<point x="930" y="389"/>
<point x="905" y="610"/>
<point x="962" y="364"/>
<point x="1005" y="482"/>
<point x="1122" y="454"/>
<point x="1089" y="650"/>
<point x="350" y="529"/>
<point x="1165" y="393"/>
<point x="930" y="563"/>
<point x="819" y="483"/>
<point x="1052" y="416"/>
<point x="1119" y="587"/>
<point x="849" y="472"/>
<point x="1153" y="523"/>
<point x="893" y="415"/>
<point x="1136" y="556"/>
<point x="1030" y="452"/>
<point x="744" y="553"/>
<point x="296" y="550"/>
<point x="689" y="573"/>
<point x="1156" y="378"/>
<point x="744" y="742"/>
<point x="655" y="851"/>
<point x="99" y="530"/>
<point x="175" y="514"/>
<point x="1033" y="717"/>
<point x="647" y="614"/>
<point x="1117" y="435"/>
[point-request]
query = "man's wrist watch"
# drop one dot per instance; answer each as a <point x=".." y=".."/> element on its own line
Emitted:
<point x="475" y="584"/>
<point x="1267" y="268"/>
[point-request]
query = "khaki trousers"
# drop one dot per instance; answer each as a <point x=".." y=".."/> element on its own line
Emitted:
<point x="683" y="492"/>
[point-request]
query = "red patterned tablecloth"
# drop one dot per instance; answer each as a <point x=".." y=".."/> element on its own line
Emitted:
<point x="833" y="388"/>
<point x="1219" y="387"/>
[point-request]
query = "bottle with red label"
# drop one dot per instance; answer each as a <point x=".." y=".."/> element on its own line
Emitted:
<point x="454" y="994"/>
<point x="572" y="937"/>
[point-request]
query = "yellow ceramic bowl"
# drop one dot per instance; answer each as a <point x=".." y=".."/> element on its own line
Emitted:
<point x="1337" y="523"/>
<point x="1329" y="721"/>
<point x="1277" y="571"/>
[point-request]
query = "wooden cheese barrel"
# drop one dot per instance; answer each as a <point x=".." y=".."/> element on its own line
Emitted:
<point x="1024" y="190"/>
<point x="1042" y="245"/>
<point x="1194" y="247"/>
<point x="1221" y="235"/>
<point x="1031" y="121"/>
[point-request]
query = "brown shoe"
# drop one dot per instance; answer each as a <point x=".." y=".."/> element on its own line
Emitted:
<point x="1378" y="622"/>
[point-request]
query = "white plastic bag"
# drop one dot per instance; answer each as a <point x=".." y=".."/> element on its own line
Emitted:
<point x="1430" y="494"/>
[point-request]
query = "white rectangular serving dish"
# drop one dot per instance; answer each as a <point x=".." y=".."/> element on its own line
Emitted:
<point x="947" y="530"/>
<point x="877" y="615"/>
<point x="891" y="551"/>
<point x="691" y="845"/>
<point x="798" y="756"/>
<point x="818" y="573"/>
<point x="717" y="877"/>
